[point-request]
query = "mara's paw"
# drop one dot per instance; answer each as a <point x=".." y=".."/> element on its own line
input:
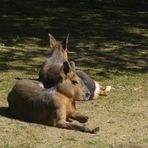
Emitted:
<point x="108" y="89"/>
<point x="95" y="130"/>
<point x="83" y="119"/>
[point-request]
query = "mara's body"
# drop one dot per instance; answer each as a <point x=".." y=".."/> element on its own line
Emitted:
<point x="29" y="101"/>
<point x="93" y="86"/>
<point x="49" y="71"/>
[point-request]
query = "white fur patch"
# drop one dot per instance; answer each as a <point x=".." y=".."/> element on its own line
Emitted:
<point x="41" y="85"/>
<point x="108" y="88"/>
<point x="97" y="90"/>
<point x="52" y="90"/>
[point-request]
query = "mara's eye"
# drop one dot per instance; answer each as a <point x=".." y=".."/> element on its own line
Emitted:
<point x="74" y="82"/>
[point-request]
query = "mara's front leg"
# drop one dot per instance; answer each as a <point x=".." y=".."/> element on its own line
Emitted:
<point x="72" y="126"/>
<point x="62" y="123"/>
<point x="79" y="117"/>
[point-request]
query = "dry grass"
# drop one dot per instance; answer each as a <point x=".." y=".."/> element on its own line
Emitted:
<point x="122" y="116"/>
<point x="107" y="40"/>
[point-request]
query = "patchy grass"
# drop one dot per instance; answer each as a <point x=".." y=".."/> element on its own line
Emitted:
<point x="108" y="42"/>
<point x="122" y="116"/>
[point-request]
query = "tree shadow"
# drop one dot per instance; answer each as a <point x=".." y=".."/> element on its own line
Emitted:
<point x="20" y="60"/>
<point x="103" y="34"/>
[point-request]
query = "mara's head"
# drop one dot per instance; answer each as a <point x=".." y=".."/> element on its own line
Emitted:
<point x="59" y="49"/>
<point x="72" y="86"/>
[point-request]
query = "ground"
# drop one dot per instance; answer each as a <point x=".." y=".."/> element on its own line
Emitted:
<point x="109" y="42"/>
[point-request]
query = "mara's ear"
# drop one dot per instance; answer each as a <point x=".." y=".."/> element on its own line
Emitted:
<point x="73" y="66"/>
<point x="65" y="70"/>
<point x="52" y="41"/>
<point x="65" y="42"/>
<point x="66" y="67"/>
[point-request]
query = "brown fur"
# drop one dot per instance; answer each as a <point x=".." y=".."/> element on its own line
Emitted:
<point x="48" y="74"/>
<point x="29" y="101"/>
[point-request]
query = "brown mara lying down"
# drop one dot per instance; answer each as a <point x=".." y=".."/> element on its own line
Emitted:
<point x="30" y="101"/>
<point x="93" y="86"/>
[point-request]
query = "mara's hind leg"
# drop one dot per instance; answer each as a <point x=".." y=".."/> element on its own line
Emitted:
<point x="72" y="126"/>
<point x="105" y="92"/>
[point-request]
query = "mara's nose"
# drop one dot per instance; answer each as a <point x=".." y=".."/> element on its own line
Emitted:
<point x="87" y="95"/>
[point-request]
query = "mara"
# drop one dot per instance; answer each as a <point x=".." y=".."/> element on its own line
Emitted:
<point x="30" y="101"/>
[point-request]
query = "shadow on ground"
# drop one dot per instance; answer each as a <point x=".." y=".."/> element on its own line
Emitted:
<point x="4" y="111"/>
<point x="109" y="35"/>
